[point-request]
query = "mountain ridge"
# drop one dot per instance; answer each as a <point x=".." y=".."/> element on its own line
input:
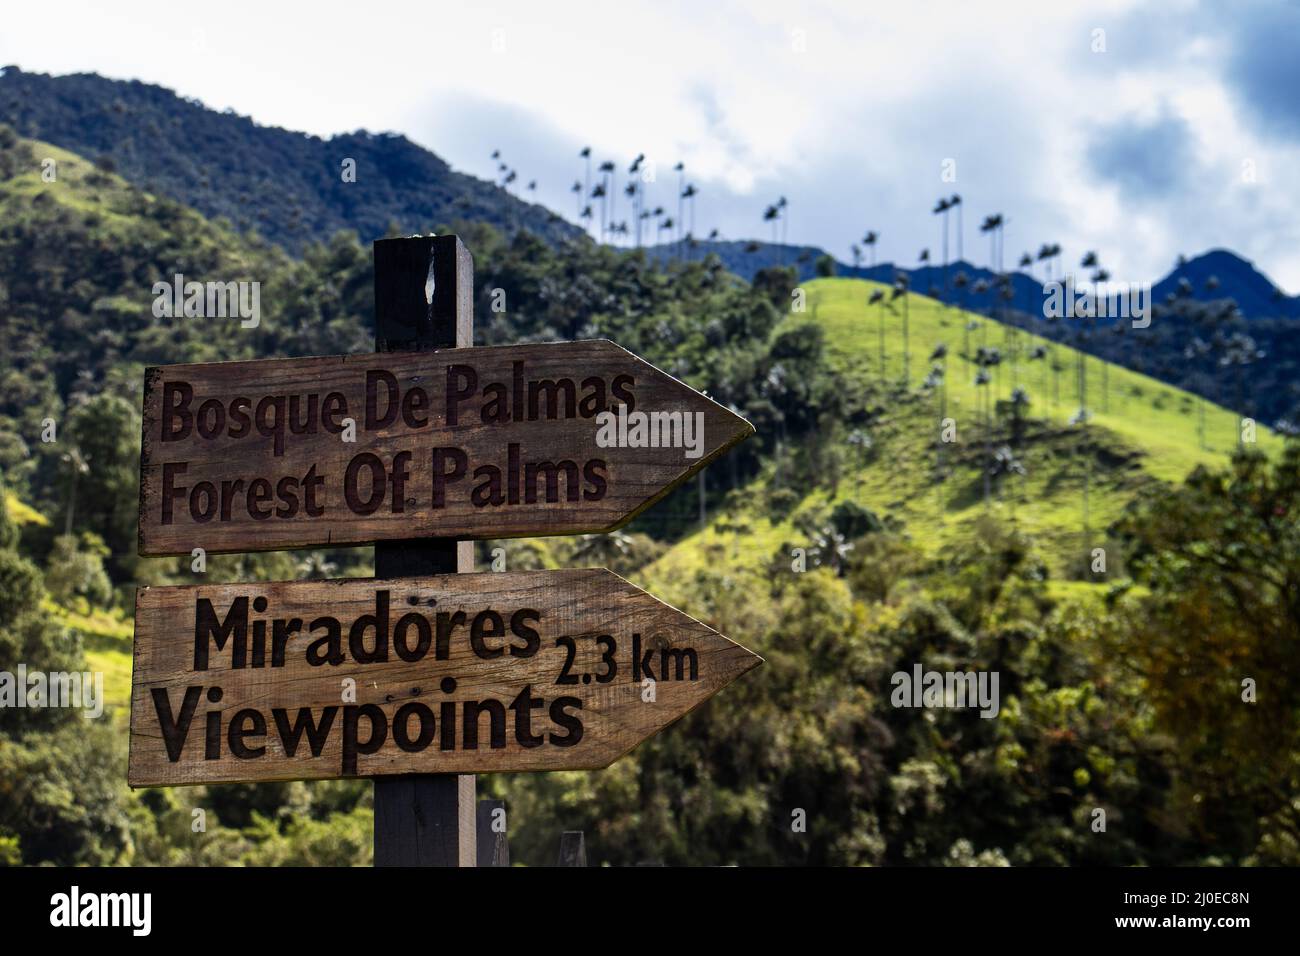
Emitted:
<point x="288" y="186"/>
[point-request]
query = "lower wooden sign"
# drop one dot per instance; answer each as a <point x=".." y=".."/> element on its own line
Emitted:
<point x="461" y="673"/>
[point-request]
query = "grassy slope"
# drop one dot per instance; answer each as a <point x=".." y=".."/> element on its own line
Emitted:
<point x="1144" y="433"/>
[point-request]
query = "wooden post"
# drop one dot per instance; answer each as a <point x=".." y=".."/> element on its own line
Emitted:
<point x="424" y="299"/>
<point x="573" y="849"/>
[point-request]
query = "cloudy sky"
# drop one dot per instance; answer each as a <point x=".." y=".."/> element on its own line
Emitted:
<point x="1140" y="130"/>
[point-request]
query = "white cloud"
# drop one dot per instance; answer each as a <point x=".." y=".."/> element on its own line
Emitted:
<point x="851" y="127"/>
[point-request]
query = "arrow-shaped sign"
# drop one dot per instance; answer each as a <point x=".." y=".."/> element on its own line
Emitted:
<point x="468" y="673"/>
<point x="499" y="442"/>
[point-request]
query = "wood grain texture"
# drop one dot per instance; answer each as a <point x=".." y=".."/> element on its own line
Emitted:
<point x="424" y="300"/>
<point x="582" y="713"/>
<point x="233" y="515"/>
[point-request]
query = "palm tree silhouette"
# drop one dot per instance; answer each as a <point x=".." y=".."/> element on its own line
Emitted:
<point x="599" y="193"/>
<point x="901" y="282"/>
<point x="680" y="169"/>
<point x="938" y="378"/>
<point x="689" y="194"/>
<point x="636" y="189"/>
<point x="585" y="153"/>
<point x="772" y="214"/>
<point x="954" y="202"/>
<point x="576" y="189"/>
<point x="665" y="224"/>
<point x="630" y="191"/>
<point x="607" y="170"/>
<point x="993" y="226"/>
<point x="869" y="240"/>
<point x="878" y="298"/>
<point x="987" y="358"/>
<point x="941" y="208"/>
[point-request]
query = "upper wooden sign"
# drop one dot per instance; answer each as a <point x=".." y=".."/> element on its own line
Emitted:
<point x="463" y="673"/>
<point x="499" y="442"/>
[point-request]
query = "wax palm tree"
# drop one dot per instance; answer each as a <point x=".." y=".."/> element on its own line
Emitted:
<point x="869" y="240"/>
<point x="1088" y="261"/>
<point x="680" y="170"/>
<point x="938" y="379"/>
<point x="772" y="214"/>
<point x="630" y="191"/>
<point x="636" y="191"/>
<point x="689" y="194"/>
<point x="1099" y="279"/>
<point x="599" y="193"/>
<point x="993" y="225"/>
<point x="856" y="253"/>
<point x="982" y="380"/>
<point x="980" y="288"/>
<point x="607" y="171"/>
<point x="878" y="298"/>
<point x="954" y="202"/>
<point x="941" y="209"/>
<point x="665" y="224"/>
<point x="585" y="154"/>
<point x="576" y="189"/>
<point x="900" y="291"/>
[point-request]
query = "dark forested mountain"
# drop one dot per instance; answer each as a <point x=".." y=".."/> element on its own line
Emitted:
<point x="287" y="186"/>
<point x="1220" y="274"/>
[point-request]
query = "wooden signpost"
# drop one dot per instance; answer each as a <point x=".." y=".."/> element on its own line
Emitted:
<point x="426" y="674"/>
<point x="466" y="673"/>
<point x="496" y="443"/>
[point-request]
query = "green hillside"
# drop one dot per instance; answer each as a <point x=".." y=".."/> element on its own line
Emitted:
<point x="1140" y="433"/>
<point x="909" y="560"/>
